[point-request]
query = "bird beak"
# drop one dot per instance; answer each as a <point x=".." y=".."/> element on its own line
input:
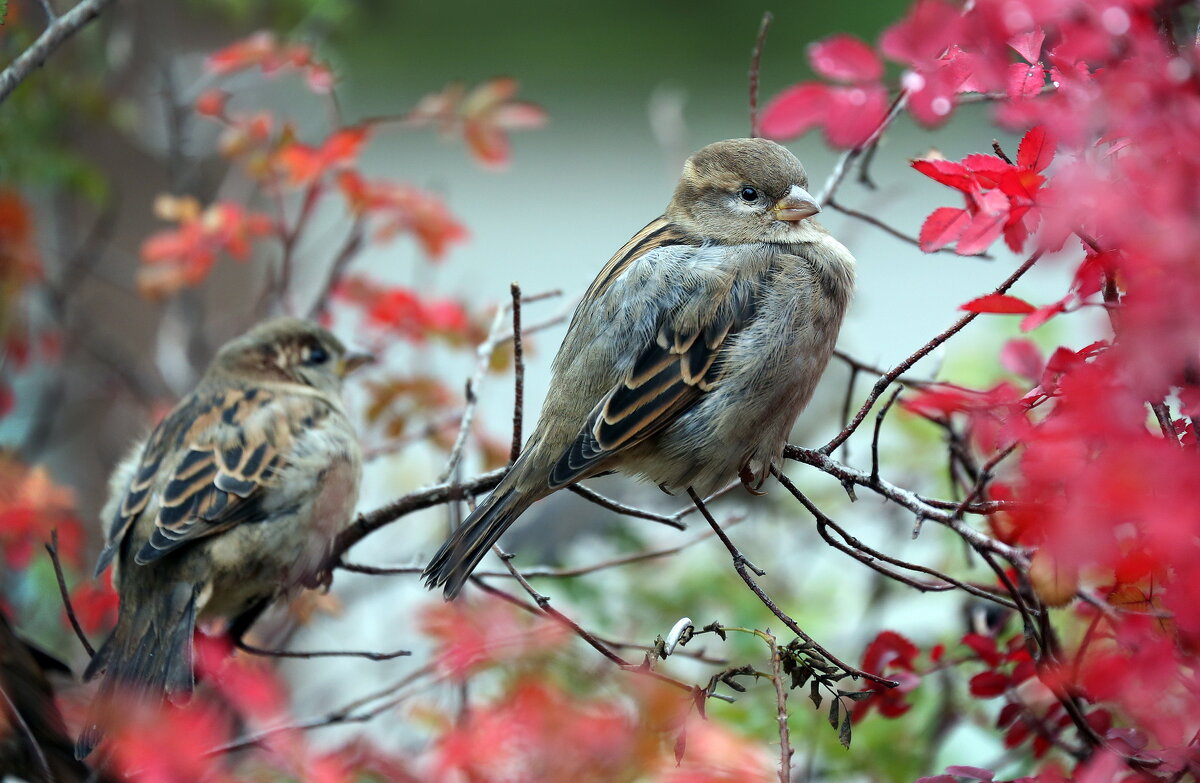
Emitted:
<point x="798" y="204"/>
<point x="352" y="361"/>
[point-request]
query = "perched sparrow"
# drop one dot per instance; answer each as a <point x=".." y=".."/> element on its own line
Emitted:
<point x="233" y="499"/>
<point x="693" y="351"/>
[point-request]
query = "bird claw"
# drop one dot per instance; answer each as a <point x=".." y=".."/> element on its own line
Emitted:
<point x="747" y="479"/>
<point x="663" y="487"/>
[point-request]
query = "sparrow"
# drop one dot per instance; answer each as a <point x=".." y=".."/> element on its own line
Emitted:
<point x="233" y="500"/>
<point x="692" y="352"/>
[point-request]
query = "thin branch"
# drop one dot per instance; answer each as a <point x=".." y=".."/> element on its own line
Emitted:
<point x="741" y="564"/>
<point x="879" y="417"/>
<point x="587" y="637"/>
<point x="30" y="738"/>
<point x="868" y="556"/>
<point x="904" y="497"/>
<point x="897" y="233"/>
<point x="781" y="713"/>
<point x="518" y="375"/>
<point x="483" y="360"/>
<point x="882" y="384"/>
<point x="51" y="38"/>
<point x="346" y="254"/>
<point x="344" y="714"/>
<point x="370" y="656"/>
<point x="843" y="165"/>
<point x="620" y="508"/>
<point x="52" y="550"/>
<point x="756" y="68"/>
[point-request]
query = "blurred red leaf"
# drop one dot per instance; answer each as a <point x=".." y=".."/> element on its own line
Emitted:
<point x="303" y="164"/>
<point x="986" y="685"/>
<point x="403" y="209"/>
<point x="1025" y="81"/>
<point x="845" y="58"/>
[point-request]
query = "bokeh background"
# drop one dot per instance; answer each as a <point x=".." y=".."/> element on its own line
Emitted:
<point x="631" y="88"/>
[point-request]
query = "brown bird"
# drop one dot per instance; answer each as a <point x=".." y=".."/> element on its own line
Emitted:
<point x="233" y="500"/>
<point x="693" y="351"/>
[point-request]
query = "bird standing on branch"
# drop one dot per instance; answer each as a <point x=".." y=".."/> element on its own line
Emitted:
<point x="234" y="499"/>
<point x="693" y="351"/>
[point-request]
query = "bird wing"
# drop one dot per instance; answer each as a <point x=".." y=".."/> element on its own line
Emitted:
<point x="672" y="372"/>
<point x="234" y="442"/>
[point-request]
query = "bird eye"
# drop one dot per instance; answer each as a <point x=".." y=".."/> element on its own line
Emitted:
<point x="749" y="194"/>
<point x="317" y="355"/>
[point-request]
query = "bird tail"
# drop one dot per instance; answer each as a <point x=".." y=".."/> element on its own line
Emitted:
<point x="467" y="545"/>
<point x="149" y="653"/>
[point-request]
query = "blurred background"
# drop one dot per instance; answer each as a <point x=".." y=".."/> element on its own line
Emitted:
<point x="630" y="89"/>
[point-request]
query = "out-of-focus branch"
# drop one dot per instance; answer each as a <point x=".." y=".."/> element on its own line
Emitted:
<point x="62" y="28"/>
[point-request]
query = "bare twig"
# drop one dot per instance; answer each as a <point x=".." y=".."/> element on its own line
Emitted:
<point x="620" y="508"/>
<point x="755" y="69"/>
<point x="741" y="565"/>
<point x="592" y="640"/>
<point x="872" y="557"/>
<point x="62" y="28"/>
<point x="518" y="375"/>
<point x="897" y="233"/>
<point x="882" y="384"/>
<point x="346" y="254"/>
<point x="370" y="656"/>
<point x="781" y="713"/>
<point x="347" y="713"/>
<point x="879" y="417"/>
<point x="52" y="550"/>
<point x="906" y="498"/>
<point x="35" y="747"/>
<point x="843" y="165"/>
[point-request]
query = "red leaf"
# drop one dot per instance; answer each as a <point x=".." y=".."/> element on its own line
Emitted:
<point x="1036" y="149"/>
<point x="931" y="25"/>
<point x="1022" y="357"/>
<point x="1025" y="81"/>
<point x="211" y="103"/>
<point x="974" y="773"/>
<point x="946" y="172"/>
<point x="1000" y="304"/>
<point x="795" y="111"/>
<point x="844" y="58"/>
<point x="1042" y="314"/>
<point x="1029" y="45"/>
<point x="984" y="647"/>
<point x="942" y="227"/>
<point x="986" y="685"/>
<point x="986" y="223"/>
<point x="854" y="113"/>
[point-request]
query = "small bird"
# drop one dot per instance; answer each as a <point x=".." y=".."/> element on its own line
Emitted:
<point x="692" y="352"/>
<point x="234" y="499"/>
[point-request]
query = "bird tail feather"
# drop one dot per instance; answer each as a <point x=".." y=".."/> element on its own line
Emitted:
<point x="467" y="545"/>
<point x="149" y="653"/>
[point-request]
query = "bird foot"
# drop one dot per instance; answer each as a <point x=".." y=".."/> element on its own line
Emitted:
<point x="748" y="481"/>
<point x="663" y="487"/>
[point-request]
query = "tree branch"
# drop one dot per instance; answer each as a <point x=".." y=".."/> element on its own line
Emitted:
<point x="51" y="38"/>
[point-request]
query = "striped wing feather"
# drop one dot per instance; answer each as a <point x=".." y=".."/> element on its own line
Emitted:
<point x="218" y="482"/>
<point x="670" y="376"/>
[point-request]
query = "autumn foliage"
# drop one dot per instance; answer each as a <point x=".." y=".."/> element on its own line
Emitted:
<point x="1080" y="462"/>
